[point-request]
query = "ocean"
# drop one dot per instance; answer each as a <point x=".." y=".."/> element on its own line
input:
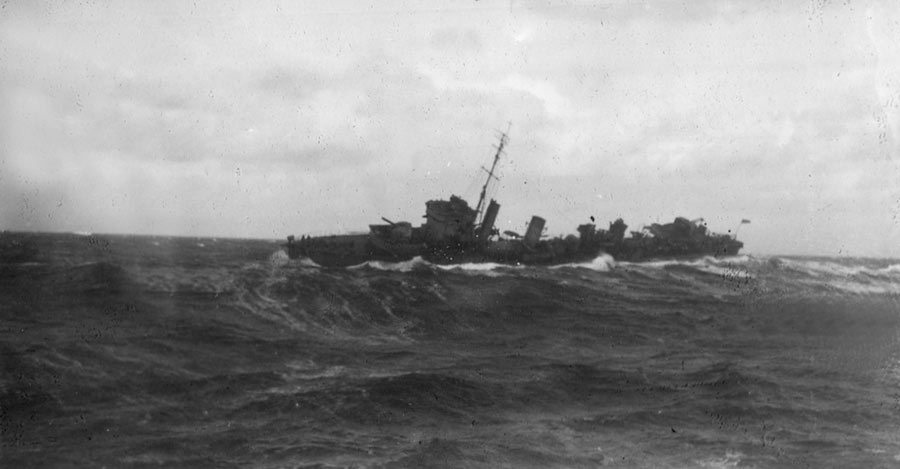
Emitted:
<point x="140" y="351"/>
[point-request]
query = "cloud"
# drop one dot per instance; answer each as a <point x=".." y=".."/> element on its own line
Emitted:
<point x="190" y="118"/>
<point x="457" y="40"/>
<point x="882" y="31"/>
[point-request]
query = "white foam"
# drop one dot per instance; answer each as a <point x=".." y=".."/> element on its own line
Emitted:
<point x="307" y="262"/>
<point x="403" y="266"/>
<point x="302" y="371"/>
<point x="408" y="266"/>
<point x="730" y="260"/>
<point x="276" y="258"/>
<point x="279" y="258"/>
<point x="856" y="279"/>
<point x="698" y="263"/>
<point x="818" y="268"/>
<point x="478" y="266"/>
<point x="602" y="263"/>
<point x="731" y="459"/>
<point x="731" y="272"/>
<point x="864" y="289"/>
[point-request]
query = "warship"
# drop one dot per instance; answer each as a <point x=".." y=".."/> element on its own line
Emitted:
<point x="456" y="233"/>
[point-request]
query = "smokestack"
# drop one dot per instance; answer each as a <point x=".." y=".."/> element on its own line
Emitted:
<point x="535" y="228"/>
<point x="487" y="224"/>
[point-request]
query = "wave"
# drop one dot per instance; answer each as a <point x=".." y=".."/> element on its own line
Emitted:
<point x="478" y="267"/>
<point x="805" y="276"/>
<point x="865" y="289"/>
<point x="817" y="267"/>
<point x="730" y="270"/>
<point x="601" y="263"/>
<point x="402" y="266"/>
<point x="730" y="460"/>
<point x="280" y="258"/>
<point x="709" y="263"/>
<point x="490" y="269"/>
<point x="371" y="301"/>
<point x="384" y="399"/>
<point x="695" y="262"/>
<point x="380" y="302"/>
<point x="737" y="266"/>
<point x="843" y="275"/>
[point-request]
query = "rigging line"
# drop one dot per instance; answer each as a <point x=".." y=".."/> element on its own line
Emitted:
<point x="504" y="138"/>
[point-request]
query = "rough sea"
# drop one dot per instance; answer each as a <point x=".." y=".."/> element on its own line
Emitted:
<point x="130" y="351"/>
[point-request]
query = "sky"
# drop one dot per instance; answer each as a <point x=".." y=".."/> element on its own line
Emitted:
<point x="264" y="119"/>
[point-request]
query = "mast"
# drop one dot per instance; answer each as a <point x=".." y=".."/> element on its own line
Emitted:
<point x="503" y="139"/>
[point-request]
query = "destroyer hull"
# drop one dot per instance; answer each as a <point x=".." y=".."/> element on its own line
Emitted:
<point x="648" y="252"/>
<point x="351" y="250"/>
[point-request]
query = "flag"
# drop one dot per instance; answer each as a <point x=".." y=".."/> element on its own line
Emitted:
<point x="745" y="221"/>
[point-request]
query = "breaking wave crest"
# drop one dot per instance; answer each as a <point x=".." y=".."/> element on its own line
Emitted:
<point x="602" y="263"/>
<point x="854" y="276"/>
<point x="835" y="268"/>
<point x="402" y="266"/>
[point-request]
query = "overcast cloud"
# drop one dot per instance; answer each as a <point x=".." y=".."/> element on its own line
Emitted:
<point x="262" y="120"/>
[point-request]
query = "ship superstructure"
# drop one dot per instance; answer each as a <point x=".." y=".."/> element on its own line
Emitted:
<point x="454" y="232"/>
